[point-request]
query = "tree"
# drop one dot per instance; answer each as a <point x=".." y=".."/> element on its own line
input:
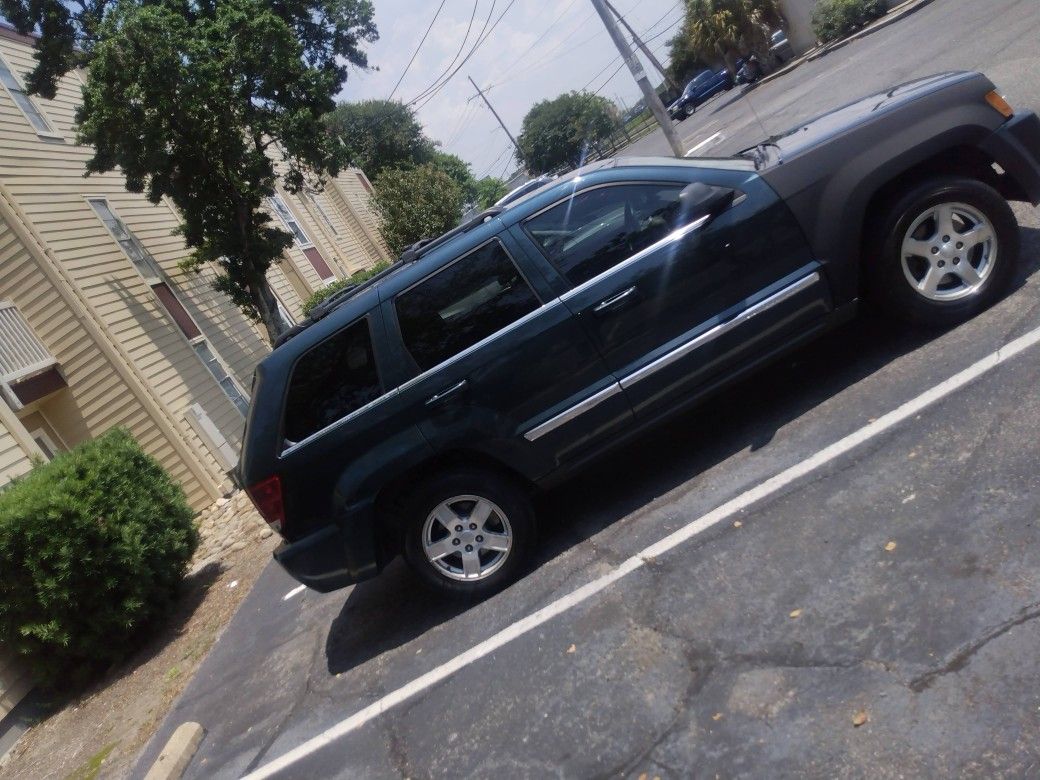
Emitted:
<point x="379" y="135"/>
<point x="458" y="170"/>
<point x="560" y="131"/>
<point x="729" y="28"/>
<point x="684" y="61"/>
<point x="416" y="203"/>
<point x="199" y="101"/>
<point x="489" y="191"/>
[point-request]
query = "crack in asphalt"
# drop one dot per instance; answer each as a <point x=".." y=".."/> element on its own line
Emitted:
<point x="962" y="657"/>
<point x="298" y="700"/>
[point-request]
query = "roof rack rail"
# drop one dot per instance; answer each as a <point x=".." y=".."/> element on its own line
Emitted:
<point x="420" y="248"/>
<point x="410" y="255"/>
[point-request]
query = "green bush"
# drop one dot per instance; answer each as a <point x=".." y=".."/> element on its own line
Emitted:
<point x="416" y="203"/>
<point x="93" y="547"/>
<point x="355" y="278"/>
<point x="834" y="19"/>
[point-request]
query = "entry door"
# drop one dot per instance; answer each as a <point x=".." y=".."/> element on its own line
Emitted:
<point x="499" y="369"/>
<point x="656" y="272"/>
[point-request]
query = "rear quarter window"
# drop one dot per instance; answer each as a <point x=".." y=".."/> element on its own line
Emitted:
<point x="331" y="380"/>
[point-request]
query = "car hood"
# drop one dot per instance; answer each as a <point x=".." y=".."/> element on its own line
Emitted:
<point x="809" y="134"/>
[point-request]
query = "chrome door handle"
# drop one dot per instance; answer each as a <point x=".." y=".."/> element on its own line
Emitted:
<point x="444" y="395"/>
<point x="615" y="300"/>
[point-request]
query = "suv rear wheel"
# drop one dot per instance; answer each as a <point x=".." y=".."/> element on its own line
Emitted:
<point x="468" y="532"/>
<point x="943" y="251"/>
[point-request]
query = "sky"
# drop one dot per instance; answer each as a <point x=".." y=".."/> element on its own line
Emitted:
<point x="536" y="50"/>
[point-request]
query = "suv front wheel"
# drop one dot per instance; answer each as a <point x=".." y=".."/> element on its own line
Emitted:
<point x="943" y="251"/>
<point x="468" y="532"/>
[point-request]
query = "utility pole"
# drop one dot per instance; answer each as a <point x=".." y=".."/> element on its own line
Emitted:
<point x="642" y="46"/>
<point x="503" y="124"/>
<point x="652" y="98"/>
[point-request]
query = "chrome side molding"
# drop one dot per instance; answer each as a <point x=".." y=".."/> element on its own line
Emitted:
<point x="577" y="410"/>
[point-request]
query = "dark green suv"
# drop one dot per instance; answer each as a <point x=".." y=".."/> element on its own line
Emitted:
<point x="418" y="412"/>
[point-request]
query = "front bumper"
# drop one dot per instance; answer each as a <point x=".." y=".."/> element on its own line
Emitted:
<point x="330" y="559"/>
<point x="1015" y="145"/>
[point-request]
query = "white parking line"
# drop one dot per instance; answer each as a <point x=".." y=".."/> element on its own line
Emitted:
<point x="295" y="591"/>
<point x="700" y="525"/>
<point x="709" y="141"/>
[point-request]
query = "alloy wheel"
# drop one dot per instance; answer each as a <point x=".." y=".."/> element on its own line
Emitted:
<point x="949" y="252"/>
<point x="467" y="538"/>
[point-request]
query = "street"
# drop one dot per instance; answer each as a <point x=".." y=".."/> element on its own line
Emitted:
<point x="866" y="609"/>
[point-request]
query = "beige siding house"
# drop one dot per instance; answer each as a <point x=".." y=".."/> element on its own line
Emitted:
<point x="98" y="325"/>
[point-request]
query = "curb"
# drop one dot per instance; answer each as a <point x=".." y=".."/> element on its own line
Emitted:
<point x="896" y="14"/>
<point x="177" y="753"/>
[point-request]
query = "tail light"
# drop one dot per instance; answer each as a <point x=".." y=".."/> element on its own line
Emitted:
<point x="267" y="498"/>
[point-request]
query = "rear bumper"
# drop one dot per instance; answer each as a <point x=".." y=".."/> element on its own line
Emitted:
<point x="1016" y="147"/>
<point x="330" y="558"/>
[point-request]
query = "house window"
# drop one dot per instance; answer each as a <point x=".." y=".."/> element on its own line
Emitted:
<point x="139" y="256"/>
<point x="149" y="269"/>
<point x="227" y="384"/>
<point x="309" y="250"/>
<point x="28" y="106"/>
<point x="290" y="221"/>
<point x="284" y="313"/>
<point x="323" y="213"/>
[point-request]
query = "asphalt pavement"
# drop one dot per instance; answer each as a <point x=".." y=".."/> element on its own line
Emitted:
<point x="874" y="612"/>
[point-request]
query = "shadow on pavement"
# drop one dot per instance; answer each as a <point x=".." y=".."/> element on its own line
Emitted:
<point x="382" y="614"/>
<point x="394" y="608"/>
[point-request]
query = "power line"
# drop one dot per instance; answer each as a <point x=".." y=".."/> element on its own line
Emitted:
<point x="472" y="51"/>
<point x="432" y="84"/>
<point x="497" y="160"/>
<point x="549" y="58"/>
<point x="416" y="52"/>
<point x="472" y="16"/>
<point x="618" y="57"/>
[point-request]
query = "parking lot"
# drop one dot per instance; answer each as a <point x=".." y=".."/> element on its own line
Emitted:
<point x="832" y="569"/>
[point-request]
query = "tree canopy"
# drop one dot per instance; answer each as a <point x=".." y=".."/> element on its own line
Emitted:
<point x="458" y="170"/>
<point x="560" y="131"/>
<point x="685" y="61"/>
<point x="416" y="203"/>
<point x="728" y="28"/>
<point x="378" y="135"/>
<point x="207" y="104"/>
<point x="489" y="191"/>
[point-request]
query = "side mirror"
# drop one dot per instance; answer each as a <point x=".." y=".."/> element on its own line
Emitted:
<point x="698" y="200"/>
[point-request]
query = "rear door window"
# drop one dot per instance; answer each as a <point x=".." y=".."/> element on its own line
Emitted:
<point x="461" y="304"/>
<point x="596" y="229"/>
<point x="330" y="381"/>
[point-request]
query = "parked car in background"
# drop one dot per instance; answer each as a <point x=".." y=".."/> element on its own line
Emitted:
<point x="780" y="48"/>
<point x="418" y="413"/>
<point x="704" y="85"/>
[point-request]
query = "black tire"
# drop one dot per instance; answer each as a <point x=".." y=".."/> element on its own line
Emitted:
<point x="888" y="281"/>
<point x="507" y="497"/>
<point x="689" y="110"/>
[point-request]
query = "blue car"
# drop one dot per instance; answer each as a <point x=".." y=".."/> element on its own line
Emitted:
<point x="704" y="85"/>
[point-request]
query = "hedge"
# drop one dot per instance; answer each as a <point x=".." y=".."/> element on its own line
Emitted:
<point x="93" y="547"/>
<point x="834" y="19"/>
<point x="356" y="278"/>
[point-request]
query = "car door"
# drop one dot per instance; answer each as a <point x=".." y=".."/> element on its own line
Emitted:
<point x="501" y="368"/>
<point x="679" y="278"/>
